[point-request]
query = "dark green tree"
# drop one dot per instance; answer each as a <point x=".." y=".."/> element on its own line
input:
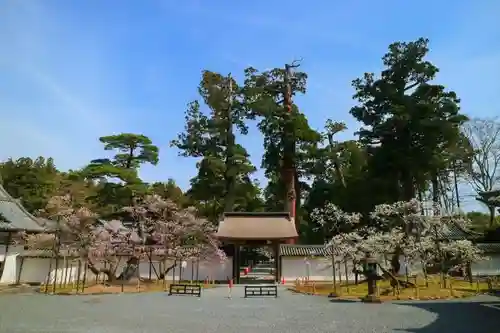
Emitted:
<point x="287" y="134"/>
<point x="169" y="191"/>
<point x="340" y="175"/>
<point x="31" y="181"/>
<point x="132" y="150"/>
<point x="409" y="121"/>
<point x="117" y="177"/>
<point x="224" y="166"/>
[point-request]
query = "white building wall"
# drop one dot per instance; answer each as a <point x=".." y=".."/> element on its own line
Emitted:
<point x="487" y="267"/>
<point x="36" y="270"/>
<point x="8" y="261"/>
<point x="318" y="269"/>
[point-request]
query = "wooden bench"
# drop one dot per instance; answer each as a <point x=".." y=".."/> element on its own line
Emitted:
<point x="261" y="290"/>
<point x="185" y="289"/>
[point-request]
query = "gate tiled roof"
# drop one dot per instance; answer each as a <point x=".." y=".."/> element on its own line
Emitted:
<point x="292" y="250"/>
<point x="256" y="226"/>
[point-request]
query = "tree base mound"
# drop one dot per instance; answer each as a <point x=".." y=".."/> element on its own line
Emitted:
<point x="411" y="291"/>
<point x="105" y="288"/>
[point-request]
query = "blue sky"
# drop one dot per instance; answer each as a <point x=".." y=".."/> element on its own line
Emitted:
<point x="71" y="71"/>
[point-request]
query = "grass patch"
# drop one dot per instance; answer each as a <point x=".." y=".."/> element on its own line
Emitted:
<point x="96" y="289"/>
<point x="455" y="288"/>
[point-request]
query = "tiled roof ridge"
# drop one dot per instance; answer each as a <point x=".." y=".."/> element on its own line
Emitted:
<point x="466" y="231"/>
<point x="304" y="245"/>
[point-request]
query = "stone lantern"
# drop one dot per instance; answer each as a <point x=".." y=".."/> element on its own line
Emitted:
<point x="370" y="270"/>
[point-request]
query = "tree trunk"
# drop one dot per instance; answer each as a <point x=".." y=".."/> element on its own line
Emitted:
<point x="165" y="273"/>
<point x="333" y="273"/>
<point x="297" y="198"/>
<point x="408" y="184"/>
<point x="492" y="216"/>
<point x="127" y="273"/>
<point x="230" y="173"/>
<point x="421" y="199"/>
<point x="395" y="264"/>
<point x="437" y="213"/>
<point x="109" y="272"/>
<point x="455" y="183"/>
<point x="435" y="192"/>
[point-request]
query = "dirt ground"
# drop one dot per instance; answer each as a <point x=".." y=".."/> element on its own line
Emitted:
<point x="131" y="287"/>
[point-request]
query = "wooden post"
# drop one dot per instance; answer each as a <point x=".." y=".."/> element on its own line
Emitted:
<point x="180" y="270"/>
<point x="78" y="274"/>
<point x="192" y="270"/>
<point x="47" y="281"/>
<point x="164" y="275"/>
<point x="84" y="276"/>
<point x="57" y="248"/>
<point x="277" y="275"/>
<point x="150" y="263"/>
<point x="346" y="274"/>
<point x="356" y="277"/>
<point x="55" y="273"/>
<point x="334" y="278"/>
<point x="198" y="269"/>
<point x="66" y="268"/>
<point x="139" y="275"/>
<point x="161" y="271"/>
<point x="406" y="269"/>
<point x="340" y="275"/>
<point x="173" y="271"/>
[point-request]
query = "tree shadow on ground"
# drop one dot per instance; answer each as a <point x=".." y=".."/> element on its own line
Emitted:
<point x="460" y="316"/>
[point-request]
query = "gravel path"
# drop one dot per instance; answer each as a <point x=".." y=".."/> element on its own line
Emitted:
<point x="214" y="312"/>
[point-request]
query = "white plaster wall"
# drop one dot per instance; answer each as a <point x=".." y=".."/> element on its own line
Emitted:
<point x="320" y="269"/>
<point x="36" y="270"/>
<point x="216" y="270"/>
<point x="193" y="270"/>
<point x="487" y="267"/>
<point x="410" y="268"/>
<point x="9" y="263"/>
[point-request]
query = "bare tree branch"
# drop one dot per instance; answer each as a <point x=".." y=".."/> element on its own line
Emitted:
<point x="484" y="138"/>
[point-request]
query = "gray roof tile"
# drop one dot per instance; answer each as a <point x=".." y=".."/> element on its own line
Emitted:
<point x="13" y="216"/>
<point x="489" y="247"/>
<point x="456" y="232"/>
<point x="289" y="250"/>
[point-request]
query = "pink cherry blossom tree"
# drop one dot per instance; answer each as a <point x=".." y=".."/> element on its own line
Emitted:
<point x="174" y="233"/>
<point x="156" y="224"/>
